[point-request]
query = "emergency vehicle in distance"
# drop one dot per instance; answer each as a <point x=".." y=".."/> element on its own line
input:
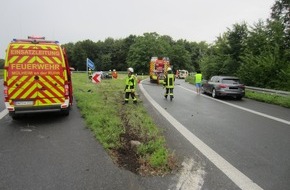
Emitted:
<point x="158" y="69"/>
<point x="37" y="77"/>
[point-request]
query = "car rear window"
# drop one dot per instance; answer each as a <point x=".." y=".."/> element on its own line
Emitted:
<point x="231" y="81"/>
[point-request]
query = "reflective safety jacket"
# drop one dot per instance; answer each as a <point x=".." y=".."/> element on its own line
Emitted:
<point x="198" y="78"/>
<point x="130" y="83"/>
<point x="169" y="81"/>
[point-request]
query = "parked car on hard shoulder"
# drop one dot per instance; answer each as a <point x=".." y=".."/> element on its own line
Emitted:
<point x="106" y="75"/>
<point x="219" y="86"/>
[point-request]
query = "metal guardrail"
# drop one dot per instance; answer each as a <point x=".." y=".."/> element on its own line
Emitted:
<point x="269" y="91"/>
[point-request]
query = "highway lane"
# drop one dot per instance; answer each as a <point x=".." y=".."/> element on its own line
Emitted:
<point x="257" y="146"/>
<point x="71" y="158"/>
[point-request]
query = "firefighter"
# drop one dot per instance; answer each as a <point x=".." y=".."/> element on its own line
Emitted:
<point x="177" y="74"/>
<point x="110" y="74"/>
<point x="114" y="74"/>
<point x="90" y="73"/>
<point x="130" y="86"/>
<point x="169" y="83"/>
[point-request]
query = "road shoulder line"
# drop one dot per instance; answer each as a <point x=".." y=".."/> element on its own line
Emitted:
<point x="3" y="113"/>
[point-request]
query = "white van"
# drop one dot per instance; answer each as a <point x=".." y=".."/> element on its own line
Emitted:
<point x="182" y="74"/>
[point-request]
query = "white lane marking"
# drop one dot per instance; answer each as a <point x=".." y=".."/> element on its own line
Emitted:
<point x="26" y="130"/>
<point x="240" y="179"/>
<point x="191" y="176"/>
<point x="3" y="113"/>
<point x="242" y="108"/>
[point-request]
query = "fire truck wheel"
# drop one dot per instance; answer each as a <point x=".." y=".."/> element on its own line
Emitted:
<point x="65" y="112"/>
<point x="14" y="116"/>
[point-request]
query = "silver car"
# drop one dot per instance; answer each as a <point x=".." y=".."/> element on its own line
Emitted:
<point x="219" y="86"/>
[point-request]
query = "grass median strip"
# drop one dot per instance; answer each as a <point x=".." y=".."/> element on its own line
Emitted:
<point x="127" y="132"/>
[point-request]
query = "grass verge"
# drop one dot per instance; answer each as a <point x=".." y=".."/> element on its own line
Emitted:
<point x="127" y="132"/>
<point x="283" y="101"/>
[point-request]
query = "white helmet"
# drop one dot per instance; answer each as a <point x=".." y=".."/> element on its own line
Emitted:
<point x="169" y="69"/>
<point x="130" y="69"/>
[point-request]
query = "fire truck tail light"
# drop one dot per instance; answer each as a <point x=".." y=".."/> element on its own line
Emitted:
<point x="66" y="87"/>
<point x="5" y="91"/>
<point x="64" y="106"/>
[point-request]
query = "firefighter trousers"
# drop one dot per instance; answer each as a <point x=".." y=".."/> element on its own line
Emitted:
<point x="168" y="91"/>
<point x="127" y="95"/>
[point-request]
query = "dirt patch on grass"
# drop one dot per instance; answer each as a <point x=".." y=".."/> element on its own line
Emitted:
<point x="126" y="155"/>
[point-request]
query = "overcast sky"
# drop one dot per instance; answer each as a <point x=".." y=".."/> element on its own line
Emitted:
<point x="74" y="20"/>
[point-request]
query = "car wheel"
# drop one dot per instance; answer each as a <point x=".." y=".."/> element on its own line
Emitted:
<point x="213" y="94"/>
<point x="202" y="90"/>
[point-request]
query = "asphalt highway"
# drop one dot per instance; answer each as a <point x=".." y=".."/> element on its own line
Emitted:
<point x="220" y="144"/>
<point x="246" y="140"/>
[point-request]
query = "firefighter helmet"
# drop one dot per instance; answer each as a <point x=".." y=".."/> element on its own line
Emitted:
<point x="131" y="70"/>
<point x="169" y="69"/>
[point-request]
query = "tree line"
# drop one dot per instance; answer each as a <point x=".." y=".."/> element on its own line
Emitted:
<point x="258" y="54"/>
